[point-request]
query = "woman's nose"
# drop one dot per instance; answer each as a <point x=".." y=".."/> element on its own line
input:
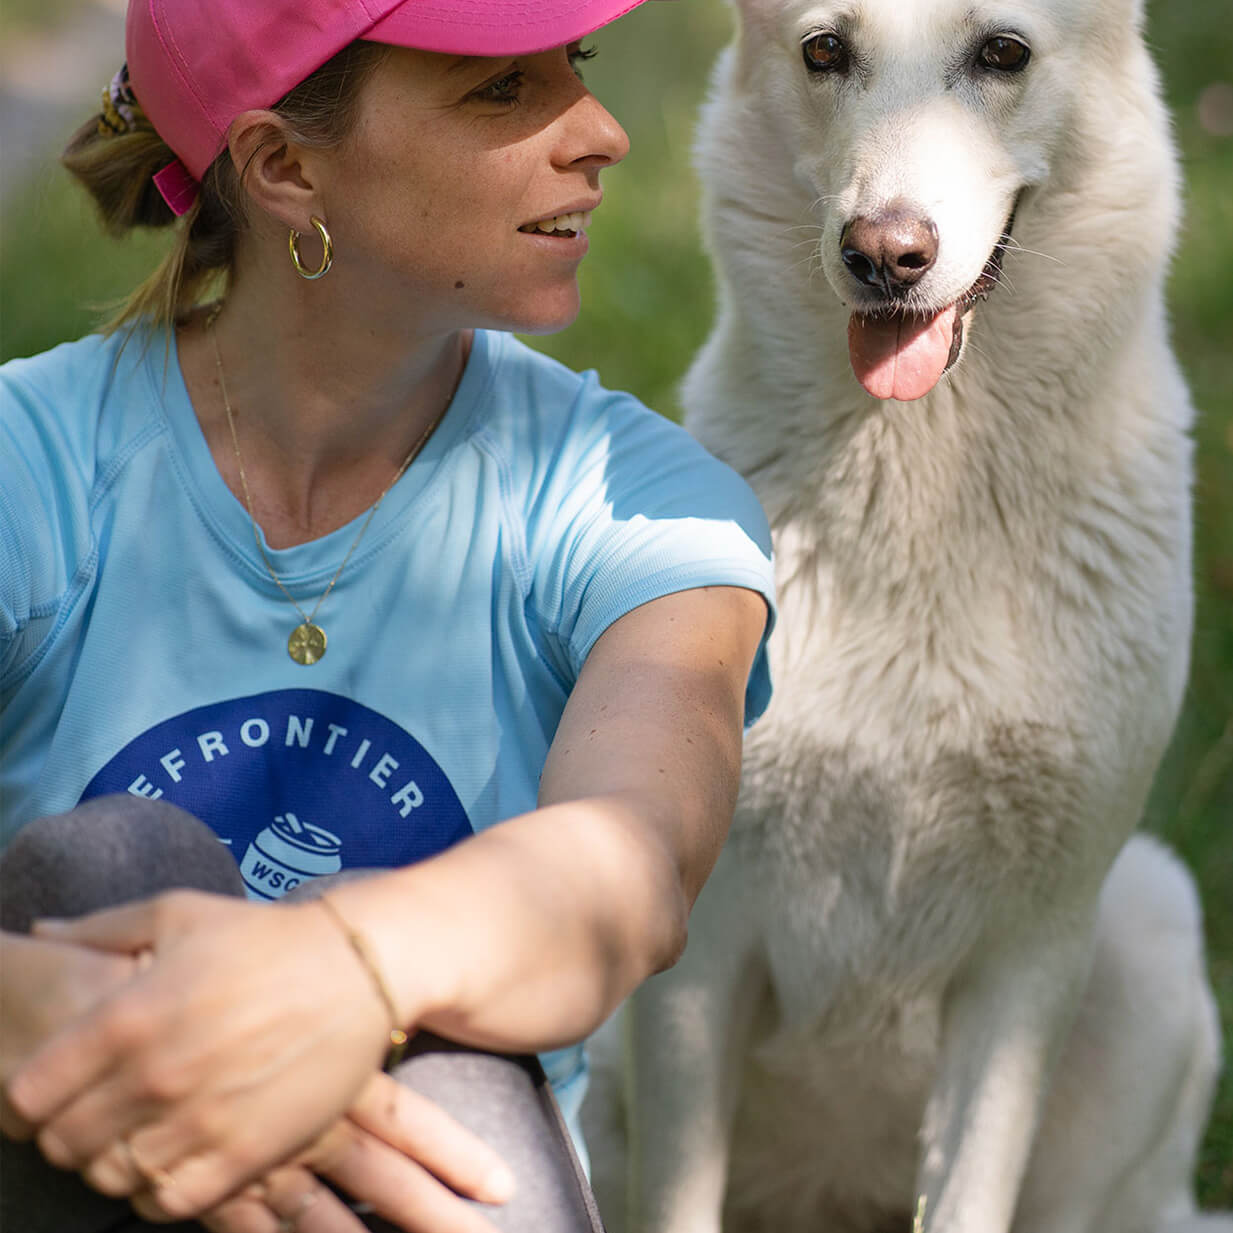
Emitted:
<point x="594" y="134"/>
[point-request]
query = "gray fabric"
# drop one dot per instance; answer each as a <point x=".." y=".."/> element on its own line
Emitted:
<point x="115" y="849"/>
<point x="108" y="851"/>
<point x="508" y="1103"/>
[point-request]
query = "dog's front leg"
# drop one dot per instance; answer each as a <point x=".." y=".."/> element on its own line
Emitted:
<point x="1004" y="1019"/>
<point x="689" y="1035"/>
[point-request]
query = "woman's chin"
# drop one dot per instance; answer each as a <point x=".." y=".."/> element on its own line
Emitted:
<point x="549" y="316"/>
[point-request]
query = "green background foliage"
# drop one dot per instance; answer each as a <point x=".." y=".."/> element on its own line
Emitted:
<point x="648" y="304"/>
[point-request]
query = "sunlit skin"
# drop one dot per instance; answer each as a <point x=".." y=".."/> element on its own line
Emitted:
<point x="425" y="197"/>
<point x="451" y="156"/>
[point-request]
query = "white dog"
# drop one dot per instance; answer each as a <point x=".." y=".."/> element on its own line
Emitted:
<point x="923" y="989"/>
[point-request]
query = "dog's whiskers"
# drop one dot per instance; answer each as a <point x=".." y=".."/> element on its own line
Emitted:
<point x="824" y="199"/>
<point x="1011" y="244"/>
<point x="813" y="261"/>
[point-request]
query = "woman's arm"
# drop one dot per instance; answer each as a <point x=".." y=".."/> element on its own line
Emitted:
<point x="530" y="935"/>
<point x="254" y="1029"/>
<point x="394" y="1148"/>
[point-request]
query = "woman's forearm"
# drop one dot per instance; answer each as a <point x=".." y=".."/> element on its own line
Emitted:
<point x="529" y="935"/>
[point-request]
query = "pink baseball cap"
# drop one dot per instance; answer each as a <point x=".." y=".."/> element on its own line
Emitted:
<point x="196" y="64"/>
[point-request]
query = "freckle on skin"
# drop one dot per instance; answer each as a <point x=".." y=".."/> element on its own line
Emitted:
<point x="459" y="285"/>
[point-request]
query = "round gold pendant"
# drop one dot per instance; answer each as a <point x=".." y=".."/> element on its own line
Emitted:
<point x="307" y="643"/>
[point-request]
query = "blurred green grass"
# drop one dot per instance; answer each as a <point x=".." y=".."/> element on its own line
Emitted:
<point x="648" y="305"/>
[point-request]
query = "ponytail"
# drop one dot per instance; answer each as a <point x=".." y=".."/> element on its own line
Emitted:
<point x="117" y="152"/>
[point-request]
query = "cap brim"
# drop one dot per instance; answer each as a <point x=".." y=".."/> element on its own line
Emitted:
<point x="474" y="28"/>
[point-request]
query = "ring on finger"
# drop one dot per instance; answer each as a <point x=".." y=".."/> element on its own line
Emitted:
<point x="154" y="1178"/>
<point x="289" y="1224"/>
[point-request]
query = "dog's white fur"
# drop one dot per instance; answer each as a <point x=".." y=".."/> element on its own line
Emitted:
<point x="922" y="917"/>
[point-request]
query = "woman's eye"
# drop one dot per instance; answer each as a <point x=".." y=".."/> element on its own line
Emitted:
<point x="579" y="55"/>
<point x="1005" y="55"/>
<point x="503" y="90"/>
<point x="825" y="53"/>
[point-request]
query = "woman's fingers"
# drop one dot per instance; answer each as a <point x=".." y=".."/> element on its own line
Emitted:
<point x="48" y="987"/>
<point x="288" y="1199"/>
<point x="124" y="930"/>
<point x="44" y="985"/>
<point x="120" y="1171"/>
<point x="76" y="1057"/>
<point x="196" y="1184"/>
<point x="396" y="1187"/>
<point x="188" y="1166"/>
<point x="248" y="1035"/>
<point x="413" y="1125"/>
<point x="240" y="1215"/>
<point x="95" y="1134"/>
<point x="401" y="1154"/>
<point x="136" y="1072"/>
<point x="12" y="1124"/>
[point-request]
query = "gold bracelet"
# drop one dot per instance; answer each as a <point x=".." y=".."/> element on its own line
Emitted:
<point x="359" y="944"/>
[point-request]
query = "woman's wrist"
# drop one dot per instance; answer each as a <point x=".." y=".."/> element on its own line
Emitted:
<point x="462" y="938"/>
<point x="403" y="941"/>
<point x="371" y="963"/>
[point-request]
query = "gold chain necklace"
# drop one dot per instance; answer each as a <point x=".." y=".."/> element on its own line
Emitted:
<point x="307" y="642"/>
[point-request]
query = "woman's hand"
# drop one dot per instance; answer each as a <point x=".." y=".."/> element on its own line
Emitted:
<point x="396" y="1151"/>
<point x="44" y="985"/>
<point x="250" y="1033"/>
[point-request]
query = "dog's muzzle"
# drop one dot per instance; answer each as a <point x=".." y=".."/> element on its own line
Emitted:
<point x="900" y="352"/>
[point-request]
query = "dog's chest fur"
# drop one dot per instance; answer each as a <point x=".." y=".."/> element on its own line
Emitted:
<point x="949" y="742"/>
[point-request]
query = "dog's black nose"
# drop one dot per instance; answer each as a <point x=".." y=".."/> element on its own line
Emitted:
<point x="891" y="249"/>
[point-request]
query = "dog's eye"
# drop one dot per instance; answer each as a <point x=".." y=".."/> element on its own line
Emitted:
<point x="825" y="53"/>
<point x="1004" y="54"/>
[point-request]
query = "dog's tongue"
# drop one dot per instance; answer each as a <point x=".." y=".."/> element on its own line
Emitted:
<point x="900" y="356"/>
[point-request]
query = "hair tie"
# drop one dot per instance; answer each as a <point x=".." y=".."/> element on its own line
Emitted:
<point x="118" y="112"/>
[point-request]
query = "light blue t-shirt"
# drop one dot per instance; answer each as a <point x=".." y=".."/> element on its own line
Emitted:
<point x="143" y="642"/>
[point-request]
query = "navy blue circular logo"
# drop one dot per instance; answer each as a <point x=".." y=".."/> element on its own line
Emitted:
<point x="297" y="783"/>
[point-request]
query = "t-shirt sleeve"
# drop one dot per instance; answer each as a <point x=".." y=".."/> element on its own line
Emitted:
<point x="40" y="510"/>
<point x="49" y="444"/>
<point x="631" y="509"/>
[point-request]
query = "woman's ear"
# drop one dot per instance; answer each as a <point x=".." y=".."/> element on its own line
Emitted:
<point x="277" y="173"/>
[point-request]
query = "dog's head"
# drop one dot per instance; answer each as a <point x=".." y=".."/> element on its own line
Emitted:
<point x="914" y="130"/>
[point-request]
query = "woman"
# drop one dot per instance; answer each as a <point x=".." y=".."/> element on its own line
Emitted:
<point x="339" y="567"/>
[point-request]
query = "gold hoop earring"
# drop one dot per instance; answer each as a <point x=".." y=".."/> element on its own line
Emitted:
<point x="327" y="251"/>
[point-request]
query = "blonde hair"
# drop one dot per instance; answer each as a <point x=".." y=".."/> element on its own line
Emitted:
<point x="117" y="169"/>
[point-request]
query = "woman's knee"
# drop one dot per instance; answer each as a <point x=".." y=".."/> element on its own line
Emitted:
<point x="506" y="1100"/>
<point x="106" y="851"/>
